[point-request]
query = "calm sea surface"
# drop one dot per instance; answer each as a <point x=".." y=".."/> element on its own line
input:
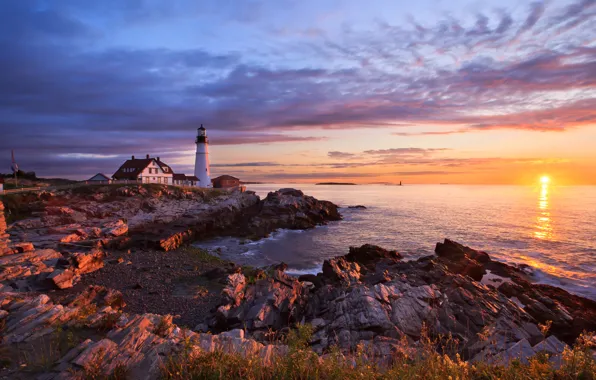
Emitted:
<point x="550" y="228"/>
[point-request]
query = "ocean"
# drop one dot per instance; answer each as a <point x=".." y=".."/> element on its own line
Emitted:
<point x="550" y="228"/>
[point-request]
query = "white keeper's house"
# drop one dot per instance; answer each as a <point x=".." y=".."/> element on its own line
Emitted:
<point x="145" y="170"/>
<point x="153" y="170"/>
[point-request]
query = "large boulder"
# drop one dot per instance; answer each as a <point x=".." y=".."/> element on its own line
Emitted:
<point x="370" y="254"/>
<point x="461" y="259"/>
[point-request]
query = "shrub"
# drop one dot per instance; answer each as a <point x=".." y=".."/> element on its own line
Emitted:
<point x="426" y="363"/>
<point x="203" y="255"/>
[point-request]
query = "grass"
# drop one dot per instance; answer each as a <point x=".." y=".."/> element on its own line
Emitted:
<point x="109" y="321"/>
<point x="163" y="326"/>
<point x="49" y="349"/>
<point x="421" y="362"/>
<point x="202" y="255"/>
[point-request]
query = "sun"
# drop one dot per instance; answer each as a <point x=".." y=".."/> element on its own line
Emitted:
<point x="545" y="179"/>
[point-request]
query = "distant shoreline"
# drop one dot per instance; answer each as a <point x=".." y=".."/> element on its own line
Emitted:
<point x="336" y="183"/>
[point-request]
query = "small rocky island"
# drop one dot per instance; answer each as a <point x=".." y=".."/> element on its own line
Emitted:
<point x="337" y="183"/>
<point x="101" y="281"/>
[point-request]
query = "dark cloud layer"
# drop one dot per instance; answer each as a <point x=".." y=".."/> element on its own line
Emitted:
<point x="60" y="94"/>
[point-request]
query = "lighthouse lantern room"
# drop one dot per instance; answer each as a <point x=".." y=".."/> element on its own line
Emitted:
<point x="202" y="159"/>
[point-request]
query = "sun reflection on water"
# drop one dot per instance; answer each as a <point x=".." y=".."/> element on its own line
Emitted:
<point x="544" y="230"/>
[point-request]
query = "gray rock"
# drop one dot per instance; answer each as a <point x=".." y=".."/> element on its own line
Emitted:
<point x="551" y="345"/>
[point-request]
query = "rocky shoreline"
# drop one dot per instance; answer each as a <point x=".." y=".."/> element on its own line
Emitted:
<point x="105" y="275"/>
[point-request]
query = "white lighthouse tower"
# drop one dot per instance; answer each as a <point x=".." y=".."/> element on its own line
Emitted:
<point x="202" y="160"/>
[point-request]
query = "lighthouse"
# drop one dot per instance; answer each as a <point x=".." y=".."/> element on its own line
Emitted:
<point x="202" y="159"/>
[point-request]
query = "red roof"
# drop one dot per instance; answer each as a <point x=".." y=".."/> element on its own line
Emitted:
<point x="225" y="177"/>
<point x="184" y="177"/>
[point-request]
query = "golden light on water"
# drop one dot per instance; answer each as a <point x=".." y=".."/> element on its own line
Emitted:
<point x="544" y="230"/>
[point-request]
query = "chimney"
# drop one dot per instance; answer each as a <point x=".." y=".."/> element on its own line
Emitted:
<point x="147" y="156"/>
<point x="157" y="158"/>
<point x="133" y="157"/>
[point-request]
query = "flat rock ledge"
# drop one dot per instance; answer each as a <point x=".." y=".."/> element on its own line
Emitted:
<point x="141" y="344"/>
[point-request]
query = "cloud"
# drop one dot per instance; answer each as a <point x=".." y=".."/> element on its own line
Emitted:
<point x="340" y="155"/>
<point x="257" y="138"/>
<point x="245" y="164"/>
<point x="427" y="173"/>
<point x="429" y="133"/>
<point x="66" y="88"/>
<point x="405" y="151"/>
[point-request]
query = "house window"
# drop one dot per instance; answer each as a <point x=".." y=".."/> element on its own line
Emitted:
<point x="165" y="180"/>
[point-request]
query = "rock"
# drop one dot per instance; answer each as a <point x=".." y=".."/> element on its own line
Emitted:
<point x="63" y="278"/>
<point x="521" y="351"/>
<point x="291" y="192"/>
<point x="236" y="333"/>
<point x="454" y="251"/>
<point x="117" y="228"/>
<point x="370" y="295"/>
<point x="88" y="262"/>
<point x="338" y="269"/>
<point x="461" y="259"/>
<point x="269" y="303"/>
<point x="370" y="254"/>
<point x="235" y="289"/>
<point x="4" y="241"/>
<point x="98" y="295"/>
<point x="22" y="247"/>
<point x="550" y="345"/>
<point x="359" y="207"/>
<point x="96" y="353"/>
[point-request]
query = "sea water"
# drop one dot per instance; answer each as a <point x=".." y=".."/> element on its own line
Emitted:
<point x="550" y="228"/>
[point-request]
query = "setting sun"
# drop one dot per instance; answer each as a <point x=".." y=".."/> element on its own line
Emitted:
<point x="545" y="179"/>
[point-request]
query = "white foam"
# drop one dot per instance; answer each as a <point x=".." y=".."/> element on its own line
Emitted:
<point x="299" y="272"/>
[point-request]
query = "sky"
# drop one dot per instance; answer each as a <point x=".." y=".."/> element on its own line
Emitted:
<point x="426" y="91"/>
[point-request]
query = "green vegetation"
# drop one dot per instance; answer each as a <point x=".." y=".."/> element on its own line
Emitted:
<point x="46" y="351"/>
<point x="109" y="321"/>
<point x="420" y="362"/>
<point x="202" y="255"/>
<point x="211" y="194"/>
<point x="163" y="326"/>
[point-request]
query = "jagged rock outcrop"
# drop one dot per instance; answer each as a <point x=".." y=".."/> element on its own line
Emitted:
<point x="3" y="235"/>
<point x="291" y="209"/>
<point x="271" y="302"/>
<point x="158" y="216"/>
<point x="373" y="298"/>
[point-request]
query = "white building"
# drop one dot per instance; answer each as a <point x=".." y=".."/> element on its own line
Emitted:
<point x="202" y="171"/>
<point x="145" y="170"/>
